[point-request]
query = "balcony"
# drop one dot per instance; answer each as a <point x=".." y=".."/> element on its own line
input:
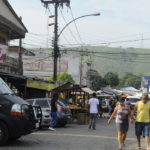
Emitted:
<point x="11" y="65"/>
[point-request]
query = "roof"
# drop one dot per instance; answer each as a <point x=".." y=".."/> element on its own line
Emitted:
<point x="129" y="89"/>
<point x="14" y="13"/>
<point x="23" y="77"/>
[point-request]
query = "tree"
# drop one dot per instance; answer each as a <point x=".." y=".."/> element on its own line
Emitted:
<point x="98" y="82"/>
<point x="112" y="78"/>
<point x="62" y="78"/>
<point x="129" y="79"/>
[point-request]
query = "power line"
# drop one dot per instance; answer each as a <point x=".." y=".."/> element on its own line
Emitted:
<point x="68" y="26"/>
<point x="76" y="26"/>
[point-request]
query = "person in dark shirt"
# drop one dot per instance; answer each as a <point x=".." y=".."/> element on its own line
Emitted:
<point x="53" y="104"/>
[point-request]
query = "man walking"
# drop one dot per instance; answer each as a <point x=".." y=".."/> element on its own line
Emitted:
<point x="142" y="120"/>
<point x="94" y="109"/>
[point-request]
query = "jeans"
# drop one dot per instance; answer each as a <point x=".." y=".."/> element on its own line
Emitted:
<point x="54" y="118"/>
<point x="93" y="116"/>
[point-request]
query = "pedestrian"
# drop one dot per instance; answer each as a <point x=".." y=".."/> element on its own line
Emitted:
<point x="107" y="102"/>
<point x="65" y="100"/>
<point x="94" y="110"/>
<point x="127" y="102"/>
<point x="54" y="109"/>
<point x="111" y="105"/>
<point x="142" y="120"/>
<point x="122" y="121"/>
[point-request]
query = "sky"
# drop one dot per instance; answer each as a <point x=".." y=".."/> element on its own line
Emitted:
<point x="120" y="20"/>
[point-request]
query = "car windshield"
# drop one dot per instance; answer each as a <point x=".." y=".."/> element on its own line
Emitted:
<point x="4" y="89"/>
<point x="134" y="100"/>
<point x="43" y="104"/>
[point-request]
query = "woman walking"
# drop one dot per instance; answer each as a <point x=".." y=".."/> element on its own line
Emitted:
<point x="53" y="104"/>
<point x="122" y="121"/>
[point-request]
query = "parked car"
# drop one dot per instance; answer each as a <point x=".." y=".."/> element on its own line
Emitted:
<point x="17" y="117"/>
<point x="64" y="112"/>
<point x="133" y="99"/>
<point x="46" y="117"/>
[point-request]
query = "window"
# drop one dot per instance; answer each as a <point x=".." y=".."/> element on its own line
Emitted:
<point x="2" y="40"/>
<point x="133" y="100"/>
<point x="30" y="102"/>
<point x="43" y="104"/>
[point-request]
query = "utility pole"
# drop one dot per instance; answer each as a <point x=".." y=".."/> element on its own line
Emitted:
<point x="56" y="48"/>
<point x="20" y="57"/>
<point x="81" y="55"/>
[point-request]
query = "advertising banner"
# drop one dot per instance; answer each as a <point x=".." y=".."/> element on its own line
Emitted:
<point x="43" y="65"/>
<point x="3" y="50"/>
<point x="40" y="85"/>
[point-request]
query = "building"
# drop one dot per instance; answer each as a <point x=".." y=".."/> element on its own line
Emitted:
<point x="43" y="68"/>
<point x="11" y="28"/>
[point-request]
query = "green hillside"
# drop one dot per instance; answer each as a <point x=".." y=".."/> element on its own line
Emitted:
<point x="120" y="60"/>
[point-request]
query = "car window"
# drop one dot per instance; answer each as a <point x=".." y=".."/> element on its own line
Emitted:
<point x="134" y="100"/>
<point x="61" y="103"/>
<point x="43" y="104"/>
<point x="30" y="102"/>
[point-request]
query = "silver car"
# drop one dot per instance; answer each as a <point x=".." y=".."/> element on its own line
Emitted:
<point x="63" y="112"/>
<point x="46" y="117"/>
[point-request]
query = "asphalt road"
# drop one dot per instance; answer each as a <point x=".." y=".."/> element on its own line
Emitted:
<point x="75" y="137"/>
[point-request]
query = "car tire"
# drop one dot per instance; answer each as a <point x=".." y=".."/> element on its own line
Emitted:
<point x="62" y="124"/>
<point x="15" y="138"/>
<point x="4" y="134"/>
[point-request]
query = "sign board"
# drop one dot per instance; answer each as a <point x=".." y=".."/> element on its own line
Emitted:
<point x="43" y="65"/>
<point x="40" y="85"/>
<point x="3" y="50"/>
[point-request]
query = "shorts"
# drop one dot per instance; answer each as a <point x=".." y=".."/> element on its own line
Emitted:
<point x="141" y="126"/>
<point x="123" y="128"/>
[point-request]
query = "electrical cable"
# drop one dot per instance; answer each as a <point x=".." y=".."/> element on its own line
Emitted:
<point x="68" y="26"/>
<point x="76" y="26"/>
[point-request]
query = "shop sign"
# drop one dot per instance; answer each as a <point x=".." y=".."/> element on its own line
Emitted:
<point x="40" y="85"/>
<point x="44" y="65"/>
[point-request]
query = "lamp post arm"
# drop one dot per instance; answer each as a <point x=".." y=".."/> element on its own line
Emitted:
<point x="69" y="23"/>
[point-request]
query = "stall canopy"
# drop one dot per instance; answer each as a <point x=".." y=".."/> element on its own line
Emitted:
<point x="132" y="89"/>
<point x="110" y="91"/>
<point x="88" y="90"/>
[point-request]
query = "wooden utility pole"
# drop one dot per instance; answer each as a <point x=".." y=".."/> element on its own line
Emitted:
<point x="56" y="48"/>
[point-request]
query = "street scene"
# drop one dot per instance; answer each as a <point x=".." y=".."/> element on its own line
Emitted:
<point x="74" y="75"/>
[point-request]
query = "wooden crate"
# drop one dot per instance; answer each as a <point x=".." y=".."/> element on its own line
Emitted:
<point x="82" y="118"/>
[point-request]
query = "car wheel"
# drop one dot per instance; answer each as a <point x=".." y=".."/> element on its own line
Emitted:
<point x="62" y="124"/>
<point x="15" y="138"/>
<point x="4" y="134"/>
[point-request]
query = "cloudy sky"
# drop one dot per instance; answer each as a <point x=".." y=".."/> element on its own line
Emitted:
<point x="120" y="20"/>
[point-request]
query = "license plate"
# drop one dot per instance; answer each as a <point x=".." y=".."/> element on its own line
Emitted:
<point x="37" y="125"/>
<point x="68" y="117"/>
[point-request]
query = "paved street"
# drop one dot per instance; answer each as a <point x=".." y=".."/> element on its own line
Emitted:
<point x="75" y="137"/>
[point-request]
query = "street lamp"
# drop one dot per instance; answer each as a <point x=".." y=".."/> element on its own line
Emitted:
<point x="95" y="14"/>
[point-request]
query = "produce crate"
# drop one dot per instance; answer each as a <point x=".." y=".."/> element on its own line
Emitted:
<point x="82" y="118"/>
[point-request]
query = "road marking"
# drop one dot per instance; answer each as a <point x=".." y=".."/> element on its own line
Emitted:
<point x="79" y="135"/>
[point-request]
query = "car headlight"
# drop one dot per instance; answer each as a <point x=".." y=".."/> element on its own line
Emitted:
<point x="16" y="110"/>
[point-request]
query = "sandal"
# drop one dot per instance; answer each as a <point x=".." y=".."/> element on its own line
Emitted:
<point x="120" y="148"/>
